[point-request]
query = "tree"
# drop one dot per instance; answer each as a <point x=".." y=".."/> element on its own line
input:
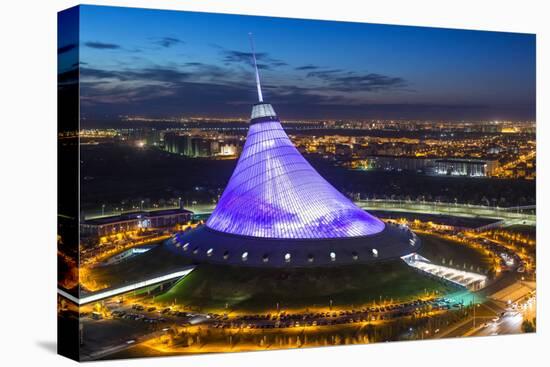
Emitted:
<point x="527" y="326"/>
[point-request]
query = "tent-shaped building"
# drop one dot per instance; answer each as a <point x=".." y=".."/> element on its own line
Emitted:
<point x="277" y="211"/>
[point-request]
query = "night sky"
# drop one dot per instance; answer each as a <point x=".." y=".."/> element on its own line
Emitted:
<point x="168" y="63"/>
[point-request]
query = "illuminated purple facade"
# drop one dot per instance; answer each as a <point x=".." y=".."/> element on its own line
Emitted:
<point x="277" y="211"/>
<point x="275" y="193"/>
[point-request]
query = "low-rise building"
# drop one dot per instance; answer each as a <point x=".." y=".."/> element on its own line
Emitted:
<point x="465" y="167"/>
<point x="396" y="163"/>
<point x="131" y="221"/>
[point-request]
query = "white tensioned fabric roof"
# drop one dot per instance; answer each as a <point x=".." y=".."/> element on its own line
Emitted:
<point x="275" y="193"/>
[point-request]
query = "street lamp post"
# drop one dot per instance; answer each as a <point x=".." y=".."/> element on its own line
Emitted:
<point x="475" y="306"/>
<point x="474" y="315"/>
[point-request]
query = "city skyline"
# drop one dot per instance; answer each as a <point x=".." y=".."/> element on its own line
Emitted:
<point x="164" y="63"/>
<point x="398" y="202"/>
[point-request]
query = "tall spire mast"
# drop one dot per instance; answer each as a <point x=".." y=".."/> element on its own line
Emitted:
<point x="260" y="97"/>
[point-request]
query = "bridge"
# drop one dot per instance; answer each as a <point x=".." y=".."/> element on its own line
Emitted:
<point x="470" y="280"/>
<point x="111" y="292"/>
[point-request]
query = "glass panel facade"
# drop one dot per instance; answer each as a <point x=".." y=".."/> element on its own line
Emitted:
<point x="275" y="193"/>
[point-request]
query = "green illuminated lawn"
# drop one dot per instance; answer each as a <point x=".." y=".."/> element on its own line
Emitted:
<point x="441" y="251"/>
<point x="211" y="287"/>
<point x="155" y="262"/>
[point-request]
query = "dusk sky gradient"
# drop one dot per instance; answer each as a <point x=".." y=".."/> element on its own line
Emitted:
<point x="170" y="63"/>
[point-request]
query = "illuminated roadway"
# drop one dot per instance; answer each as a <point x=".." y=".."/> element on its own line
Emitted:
<point x="510" y="216"/>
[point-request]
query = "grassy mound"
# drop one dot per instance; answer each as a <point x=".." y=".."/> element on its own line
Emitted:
<point x="155" y="262"/>
<point x="212" y="287"/>
<point x="441" y="251"/>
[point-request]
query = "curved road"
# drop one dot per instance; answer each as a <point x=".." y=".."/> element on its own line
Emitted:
<point x="510" y="216"/>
